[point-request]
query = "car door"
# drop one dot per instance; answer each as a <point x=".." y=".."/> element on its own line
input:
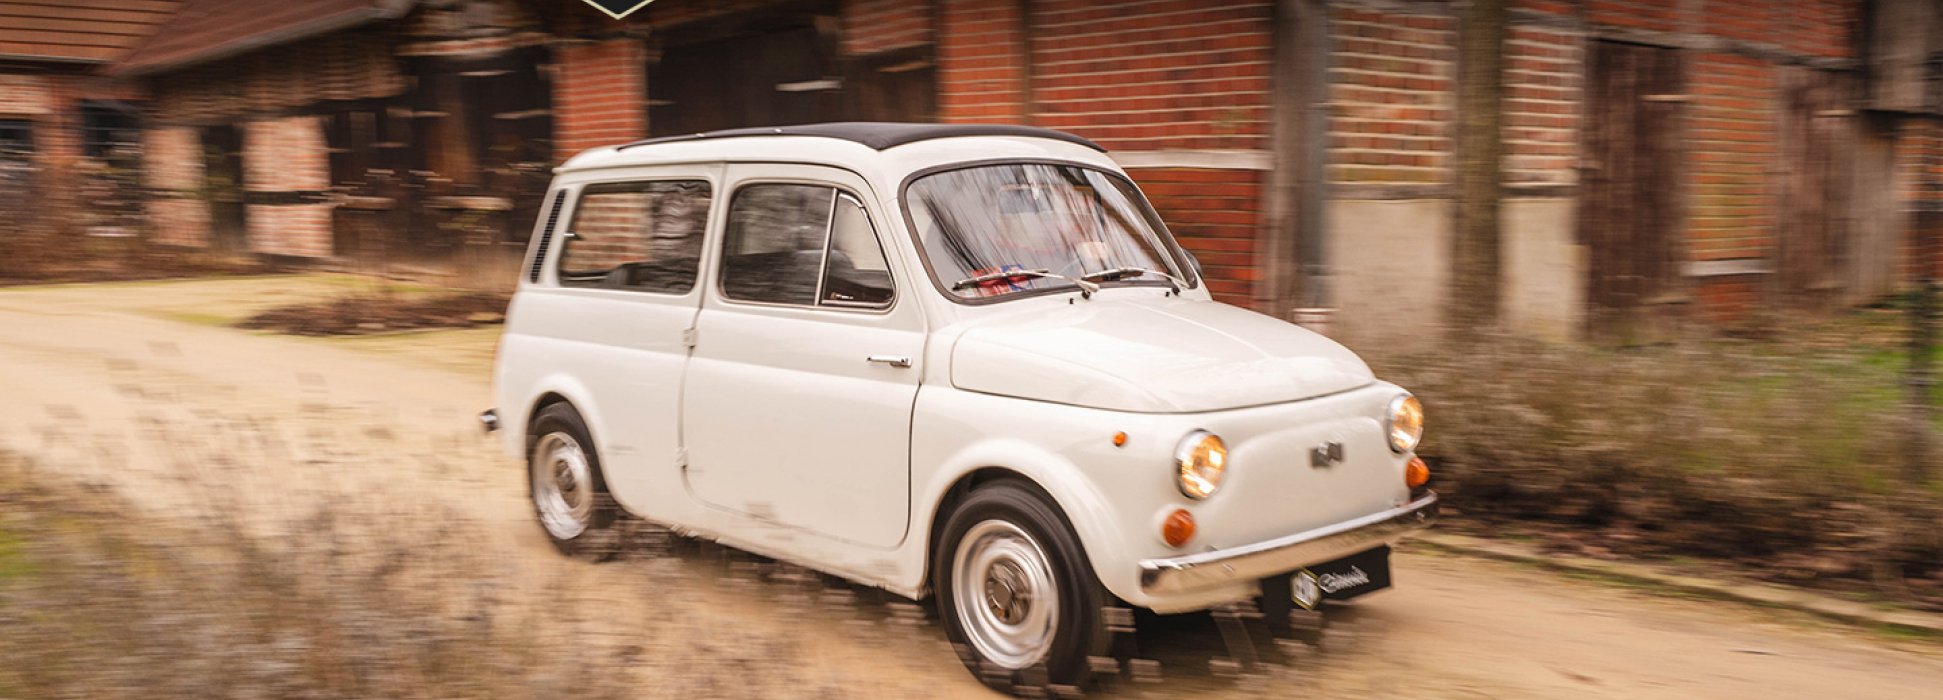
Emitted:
<point x="614" y="307"/>
<point x="797" y="406"/>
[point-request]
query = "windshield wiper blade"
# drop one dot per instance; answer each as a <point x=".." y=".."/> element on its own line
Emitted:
<point x="1086" y="287"/>
<point x="1114" y="273"/>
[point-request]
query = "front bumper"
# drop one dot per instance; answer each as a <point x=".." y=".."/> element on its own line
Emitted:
<point x="1285" y="554"/>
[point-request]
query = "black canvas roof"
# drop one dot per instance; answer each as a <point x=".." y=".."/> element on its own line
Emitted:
<point x="880" y="135"/>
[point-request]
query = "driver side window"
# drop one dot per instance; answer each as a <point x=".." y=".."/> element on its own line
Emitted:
<point x="803" y="245"/>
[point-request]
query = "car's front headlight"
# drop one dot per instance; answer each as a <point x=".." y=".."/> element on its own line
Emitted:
<point x="1201" y="460"/>
<point x="1404" y="423"/>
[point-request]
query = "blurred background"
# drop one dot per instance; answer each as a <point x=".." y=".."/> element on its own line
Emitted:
<point x="1663" y="271"/>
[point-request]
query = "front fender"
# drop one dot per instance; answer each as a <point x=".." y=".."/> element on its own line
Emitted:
<point x="1085" y="508"/>
<point x="1067" y="451"/>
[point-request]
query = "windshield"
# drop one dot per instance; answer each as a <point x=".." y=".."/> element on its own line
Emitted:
<point x="1050" y="224"/>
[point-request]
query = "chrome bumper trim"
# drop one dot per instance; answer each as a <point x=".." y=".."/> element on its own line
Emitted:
<point x="1286" y="554"/>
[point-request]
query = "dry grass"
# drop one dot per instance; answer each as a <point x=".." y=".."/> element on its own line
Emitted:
<point x="1783" y="456"/>
<point x="99" y="603"/>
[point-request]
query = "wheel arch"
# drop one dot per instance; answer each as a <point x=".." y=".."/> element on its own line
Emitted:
<point x="1083" y="508"/>
<point x="555" y="389"/>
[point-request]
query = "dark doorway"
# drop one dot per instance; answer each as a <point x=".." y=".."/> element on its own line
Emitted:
<point x="894" y="86"/>
<point x="785" y="75"/>
<point x="1629" y="216"/>
<point x="223" y="185"/>
<point x="782" y="68"/>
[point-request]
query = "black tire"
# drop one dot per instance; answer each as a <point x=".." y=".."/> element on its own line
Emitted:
<point x="595" y="539"/>
<point x="1079" y="632"/>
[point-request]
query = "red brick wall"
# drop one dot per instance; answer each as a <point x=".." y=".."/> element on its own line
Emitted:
<point x="1390" y="94"/>
<point x="1153" y="74"/>
<point x="1733" y="153"/>
<point x="1544" y="100"/>
<point x="876" y="26"/>
<point x="287" y="155"/>
<point x="297" y="230"/>
<point x="1919" y="161"/>
<point x="1648" y="15"/>
<point x="1820" y="27"/>
<point x="1214" y="214"/>
<point x="1724" y="299"/>
<point x="600" y="94"/>
<point x="1745" y="20"/>
<point x="1732" y="150"/>
<point x="173" y="160"/>
<point x="981" y="62"/>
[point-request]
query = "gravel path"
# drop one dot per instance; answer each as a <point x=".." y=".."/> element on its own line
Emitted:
<point x="107" y="385"/>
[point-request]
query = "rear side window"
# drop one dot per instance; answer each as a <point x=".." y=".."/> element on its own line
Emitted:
<point x="804" y="245"/>
<point x="641" y="236"/>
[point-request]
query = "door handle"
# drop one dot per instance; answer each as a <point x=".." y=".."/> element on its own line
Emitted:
<point x="892" y="360"/>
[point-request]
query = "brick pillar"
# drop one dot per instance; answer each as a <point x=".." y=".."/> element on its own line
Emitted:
<point x="982" y="62"/>
<point x="178" y="215"/>
<point x="286" y="162"/>
<point x="600" y="95"/>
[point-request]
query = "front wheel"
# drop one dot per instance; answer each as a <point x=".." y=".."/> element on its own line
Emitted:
<point x="1017" y="595"/>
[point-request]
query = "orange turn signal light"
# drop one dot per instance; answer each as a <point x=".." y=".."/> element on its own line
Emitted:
<point x="1119" y="439"/>
<point x="1178" y="528"/>
<point x="1417" y="473"/>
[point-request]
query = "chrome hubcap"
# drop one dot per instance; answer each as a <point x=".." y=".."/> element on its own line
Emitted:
<point x="1005" y="594"/>
<point x="563" y="485"/>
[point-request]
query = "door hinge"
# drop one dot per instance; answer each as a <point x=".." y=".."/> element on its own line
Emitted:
<point x="688" y="337"/>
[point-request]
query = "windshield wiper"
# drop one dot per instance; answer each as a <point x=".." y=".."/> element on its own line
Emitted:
<point x="1112" y="274"/>
<point x="1086" y="287"/>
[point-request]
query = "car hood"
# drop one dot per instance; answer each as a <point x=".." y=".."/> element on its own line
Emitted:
<point x="1151" y="356"/>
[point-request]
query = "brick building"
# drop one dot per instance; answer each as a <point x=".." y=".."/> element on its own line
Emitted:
<point x="1664" y="158"/>
<point x="59" y="116"/>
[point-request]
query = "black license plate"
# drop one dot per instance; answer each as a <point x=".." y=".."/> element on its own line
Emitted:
<point x="1345" y="578"/>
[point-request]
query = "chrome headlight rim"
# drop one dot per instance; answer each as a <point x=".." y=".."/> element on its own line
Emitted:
<point x="1390" y="415"/>
<point x="1188" y="472"/>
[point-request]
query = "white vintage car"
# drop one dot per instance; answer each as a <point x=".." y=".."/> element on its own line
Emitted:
<point x="953" y="360"/>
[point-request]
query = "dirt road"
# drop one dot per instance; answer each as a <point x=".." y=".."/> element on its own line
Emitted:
<point x="131" y="386"/>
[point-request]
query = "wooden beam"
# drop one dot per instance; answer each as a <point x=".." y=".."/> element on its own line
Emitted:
<point x="1290" y="246"/>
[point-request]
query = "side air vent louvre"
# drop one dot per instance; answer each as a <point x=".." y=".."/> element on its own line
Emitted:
<point x="546" y="236"/>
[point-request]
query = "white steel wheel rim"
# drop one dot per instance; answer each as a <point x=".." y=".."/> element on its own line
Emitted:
<point x="563" y="485"/>
<point x="1006" y="597"/>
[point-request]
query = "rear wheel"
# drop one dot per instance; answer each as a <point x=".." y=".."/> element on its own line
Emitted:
<point x="1018" y="597"/>
<point x="569" y="496"/>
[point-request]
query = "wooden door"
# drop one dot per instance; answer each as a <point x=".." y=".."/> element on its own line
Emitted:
<point x="1630" y="216"/>
<point x="223" y="173"/>
<point x="1812" y="231"/>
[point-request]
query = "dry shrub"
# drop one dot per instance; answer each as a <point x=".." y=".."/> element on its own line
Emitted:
<point x="1786" y="458"/>
<point x="46" y="258"/>
<point x="366" y="313"/>
<point x="82" y="224"/>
